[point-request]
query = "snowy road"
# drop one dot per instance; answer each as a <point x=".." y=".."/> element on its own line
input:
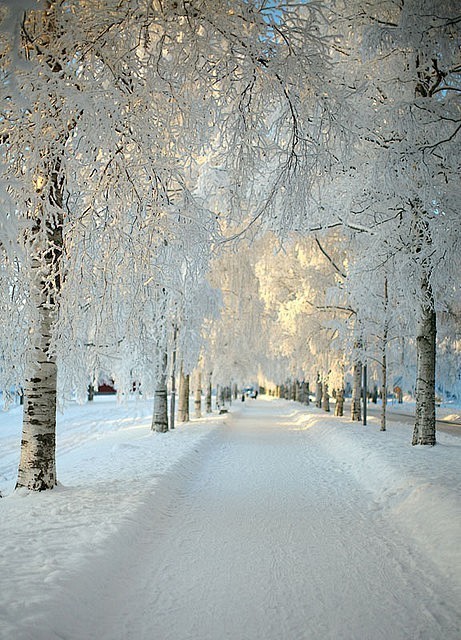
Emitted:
<point x="275" y="522"/>
<point x="268" y="538"/>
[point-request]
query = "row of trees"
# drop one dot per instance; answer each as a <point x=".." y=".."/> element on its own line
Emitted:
<point x="308" y="301"/>
<point x="384" y="218"/>
<point x="109" y="111"/>
<point x="143" y="139"/>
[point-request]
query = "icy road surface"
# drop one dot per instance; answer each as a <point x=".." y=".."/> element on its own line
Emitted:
<point x="269" y="539"/>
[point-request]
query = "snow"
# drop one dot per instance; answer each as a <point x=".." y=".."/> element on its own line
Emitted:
<point x="274" y="521"/>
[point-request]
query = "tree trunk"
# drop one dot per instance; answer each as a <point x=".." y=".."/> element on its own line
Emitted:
<point x="424" y="431"/>
<point x="339" y="407"/>
<point x="356" y="413"/>
<point x="173" y="379"/>
<point x="384" y="389"/>
<point x="384" y="359"/>
<point x="37" y="466"/>
<point x="318" y="392"/>
<point x="325" y="398"/>
<point x="186" y="398"/>
<point x="365" y="392"/>
<point x="208" y="399"/>
<point x="198" y="396"/>
<point x="183" y="402"/>
<point x="222" y="396"/>
<point x="160" y="417"/>
<point x="297" y="391"/>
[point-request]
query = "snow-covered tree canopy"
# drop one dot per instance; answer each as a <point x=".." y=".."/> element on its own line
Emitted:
<point x="136" y="135"/>
<point x="109" y="109"/>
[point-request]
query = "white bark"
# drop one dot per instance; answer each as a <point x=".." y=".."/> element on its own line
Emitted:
<point x="424" y="431"/>
<point x="37" y="466"/>
<point x="160" y="416"/>
<point x="356" y="411"/>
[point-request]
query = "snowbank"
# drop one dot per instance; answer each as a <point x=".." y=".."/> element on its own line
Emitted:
<point x="419" y="488"/>
<point x="109" y="466"/>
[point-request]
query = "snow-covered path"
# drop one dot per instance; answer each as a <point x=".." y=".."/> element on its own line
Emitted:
<point x="268" y="538"/>
<point x="276" y="522"/>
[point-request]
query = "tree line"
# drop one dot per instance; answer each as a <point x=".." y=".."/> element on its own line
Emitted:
<point x="145" y="141"/>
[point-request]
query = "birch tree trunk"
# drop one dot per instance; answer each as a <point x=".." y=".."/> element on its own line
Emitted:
<point x="208" y="403"/>
<point x="180" y="383"/>
<point x="183" y="400"/>
<point x="173" y="379"/>
<point x="198" y="396"/>
<point x="384" y="359"/>
<point x="318" y="392"/>
<point x="384" y="388"/>
<point x="339" y="407"/>
<point x="356" y="411"/>
<point x="325" y="398"/>
<point x="37" y="465"/>
<point x="160" y="416"/>
<point x="424" y="431"/>
<point x="305" y="393"/>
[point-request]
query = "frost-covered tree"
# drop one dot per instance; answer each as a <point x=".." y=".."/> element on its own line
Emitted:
<point x="107" y="108"/>
<point x="301" y="288"/>
<point x="235" y="346"/>
<point x="401" y="62"/>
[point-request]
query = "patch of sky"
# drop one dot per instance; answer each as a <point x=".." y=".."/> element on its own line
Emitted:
<point x="274" y="11"/>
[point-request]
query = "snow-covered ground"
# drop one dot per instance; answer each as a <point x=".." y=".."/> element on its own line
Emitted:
<point x="274" y="522"/>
